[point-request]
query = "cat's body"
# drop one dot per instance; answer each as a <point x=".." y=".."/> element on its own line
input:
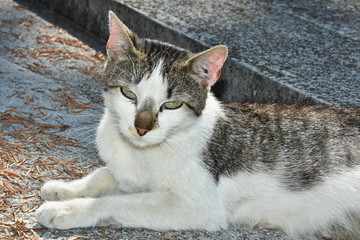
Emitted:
<point x="178" y="159"/>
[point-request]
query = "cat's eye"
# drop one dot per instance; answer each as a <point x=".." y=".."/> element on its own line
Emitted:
<point x="128" y="93"/>
<point x="172" y="105"/>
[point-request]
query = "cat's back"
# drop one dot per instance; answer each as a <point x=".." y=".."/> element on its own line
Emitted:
<point x="282" y="114"/>
<point x="306" y="142"/>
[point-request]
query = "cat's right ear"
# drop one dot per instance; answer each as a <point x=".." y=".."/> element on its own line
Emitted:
<point x="119" y="44"/>
<point x="207" y="65"/>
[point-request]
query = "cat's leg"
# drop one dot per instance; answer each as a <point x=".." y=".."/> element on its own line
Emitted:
<point x="155" y="210"/>
<point x="98" y="183"/>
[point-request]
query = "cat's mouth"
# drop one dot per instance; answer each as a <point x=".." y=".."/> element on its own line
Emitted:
<point x="141" y="140"/>
<point x="136" y="132"/>
<point x="133" y="132"/>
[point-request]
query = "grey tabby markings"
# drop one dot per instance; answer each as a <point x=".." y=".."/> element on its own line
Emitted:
<point x="179" y="78"/>
<point x="302" y="145"/>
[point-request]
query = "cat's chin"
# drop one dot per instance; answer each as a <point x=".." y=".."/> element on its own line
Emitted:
<point x="141" y="142"/>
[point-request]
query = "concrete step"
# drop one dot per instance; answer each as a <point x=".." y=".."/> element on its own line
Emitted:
<point x="280" y="50"/>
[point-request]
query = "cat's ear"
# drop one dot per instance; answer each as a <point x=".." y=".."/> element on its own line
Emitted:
<point x="207" y="65"/>
<point x="119" y="44"/>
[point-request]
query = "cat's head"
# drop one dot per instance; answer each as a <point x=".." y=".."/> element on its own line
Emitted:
<point x="152" y="89"/>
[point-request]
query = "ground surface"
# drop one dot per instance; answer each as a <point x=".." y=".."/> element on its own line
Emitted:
<point x="50" y="105"/>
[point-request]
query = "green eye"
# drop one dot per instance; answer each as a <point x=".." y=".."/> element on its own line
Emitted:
<point x="172" y="105"/>
<point x="127" y="93"/>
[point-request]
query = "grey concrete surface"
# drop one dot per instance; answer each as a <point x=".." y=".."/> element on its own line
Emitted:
<point x="280" y="50"/>
<point x="35" y="72"/>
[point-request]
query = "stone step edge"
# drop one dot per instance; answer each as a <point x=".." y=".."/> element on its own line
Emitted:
<point x="239" y="82"/>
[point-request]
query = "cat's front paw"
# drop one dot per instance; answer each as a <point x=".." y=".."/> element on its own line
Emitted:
<point x="57" y="190"/>
<point x="64" y="215"/>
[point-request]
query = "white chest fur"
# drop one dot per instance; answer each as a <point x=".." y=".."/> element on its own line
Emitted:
<point x="175" y="163"/>
<point x="173" y="167"/>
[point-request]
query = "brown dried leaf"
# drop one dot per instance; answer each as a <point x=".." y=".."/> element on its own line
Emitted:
<point x="25" y="23"/>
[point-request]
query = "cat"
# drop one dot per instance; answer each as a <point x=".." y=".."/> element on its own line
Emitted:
<point x="177" y="158"/>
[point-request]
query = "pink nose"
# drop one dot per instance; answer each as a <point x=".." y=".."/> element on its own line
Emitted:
<point x="141" y="131"/>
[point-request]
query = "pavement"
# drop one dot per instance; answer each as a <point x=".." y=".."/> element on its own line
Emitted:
<point x="280" y="51"/>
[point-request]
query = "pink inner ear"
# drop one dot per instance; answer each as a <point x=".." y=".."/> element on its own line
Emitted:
<point x="113" y="44"/>
<point x="214" y="64"/>
<point x="117" y="41"/>
<point x="109" y="43"/>
<point x="113" y="47"/>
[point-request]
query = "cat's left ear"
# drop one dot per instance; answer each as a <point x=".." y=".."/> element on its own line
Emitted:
<point x="207" y="65"/>
<point x="119" y="44"/>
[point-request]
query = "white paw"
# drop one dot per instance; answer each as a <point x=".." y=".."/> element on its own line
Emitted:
<point x="57" y="190"/>
<point x="64" y="215"/>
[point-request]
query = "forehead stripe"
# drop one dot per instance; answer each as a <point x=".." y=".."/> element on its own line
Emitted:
<point x="157" y="73"/>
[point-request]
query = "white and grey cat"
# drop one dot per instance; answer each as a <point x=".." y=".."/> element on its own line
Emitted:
<point x="176" y="158"/>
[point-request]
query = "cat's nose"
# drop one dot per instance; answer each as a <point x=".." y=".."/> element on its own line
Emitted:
<point x="142" y="131"/>
<point x="144" y="122"/>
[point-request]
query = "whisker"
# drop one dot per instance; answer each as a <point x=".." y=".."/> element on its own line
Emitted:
<point x="90" y="132"/>
<point x="78" y="129"/>
<point x="91" y="116"/>
<point x="88" y="137"/>
<point x="80" y="132"/>
<point x="90" y="147"/>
